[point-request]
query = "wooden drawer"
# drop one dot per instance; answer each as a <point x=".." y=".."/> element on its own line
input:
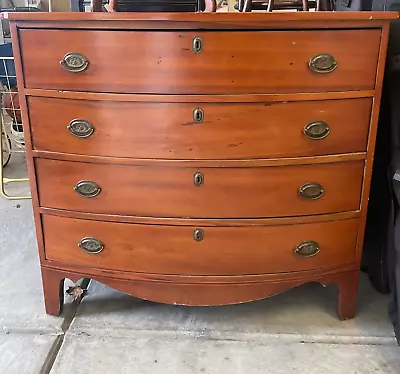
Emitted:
<point x="223" y="250"/>
<point x="230" y="63"/>
<point x="226" y="192"/>
<point x="229" y="131"/>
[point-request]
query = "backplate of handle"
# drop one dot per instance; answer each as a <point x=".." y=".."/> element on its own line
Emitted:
<point x="323" y="63"/>
<point x="307" y="248"/>
<point x="74" y="62"/>
<point x="80" y="128"/>
<point x="316" y="130"/>
<point x="87" y="188"/>
<point x="91" y="245"/>
<point x="311" y="191"/>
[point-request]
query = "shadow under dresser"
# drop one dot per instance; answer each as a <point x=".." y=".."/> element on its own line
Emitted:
<point x="200" y="159"/>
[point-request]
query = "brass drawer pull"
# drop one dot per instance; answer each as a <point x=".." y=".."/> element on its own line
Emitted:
<point x="198" y="235"/>
<point x="74" y="62"/>
<point x="197" y="44"/>
<point x="307" y="249"/>
<point x="91" y="245"/>
<point x="316" y="130"/>
<point x="198" y="179"/>
<point x="87" y="189"/>
<point x="80" y="128"/>
<point x="323" y="63"/>
<point x="311" y="191"/>
<point x="198" y="115"/>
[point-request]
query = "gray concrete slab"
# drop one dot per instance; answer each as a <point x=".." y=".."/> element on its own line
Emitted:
<point x="97" y="355"/>
<point x="24" y="353"/>
<point x="21" y="296"/>
<point x="307" y="313"/>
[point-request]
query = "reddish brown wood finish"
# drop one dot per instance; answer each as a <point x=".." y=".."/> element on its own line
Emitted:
<point x="348" y="290"/>
<point x="204" y="21"/>
<point x="206" y="222"/>
<point x="203" y="293"/>
<point x="226" y="193"/>
<point x="223" y="251"/>
<point x="165" y="98"/>
<point x="212" y="289"/>
<point x="281" y="65"/>
<point x="327" y="159"/>
<point x="229" y="131"/>
<point x="53" y="291"/>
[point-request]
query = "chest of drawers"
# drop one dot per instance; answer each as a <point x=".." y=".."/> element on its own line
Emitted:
<point x="200" y="159"/>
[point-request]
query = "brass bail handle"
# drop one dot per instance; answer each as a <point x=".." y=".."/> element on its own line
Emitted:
<point x="91" y="245"/>
<point x="86" y="188"/>
<point x="307" y="248"/>
<point x="316" y="130"/>
<point x="74" y="62"/>
<point x="80" y="128"/>
<point x="311" y="191"/>
<point x="323" y="63"/>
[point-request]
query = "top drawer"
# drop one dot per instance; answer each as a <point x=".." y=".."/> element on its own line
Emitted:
<point x="200" y="62"/>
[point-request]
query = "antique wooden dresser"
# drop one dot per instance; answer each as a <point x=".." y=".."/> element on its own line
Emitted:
<point x="200" y="159"/>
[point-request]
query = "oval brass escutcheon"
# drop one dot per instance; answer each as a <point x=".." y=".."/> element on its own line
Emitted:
<point x="323" y="63"/>
<point x="198" y="115"/>
<point x="316" y="130"/>
<point x="87" y="188"/>
<point x="198" y="235"/>
<point x="198" y="179"/>
<point x="197" y="44"/>
<point x="91" y="245"/>
<point x="74" y="62"/>
<point x="308" y="248"/>
<point x="80" y="128"/>
<point x="311" y="191"/>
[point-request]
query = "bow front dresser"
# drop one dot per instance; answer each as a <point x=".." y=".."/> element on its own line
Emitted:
<point x="200" y="159"/>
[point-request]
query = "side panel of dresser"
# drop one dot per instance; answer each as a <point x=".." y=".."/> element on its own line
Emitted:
<point x="149" y="287"/>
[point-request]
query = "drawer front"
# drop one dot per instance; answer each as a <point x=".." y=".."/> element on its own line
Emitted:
<point x="228" y="63"/>
<point x="222" y="251"/>
<point x="200" y="130"/>
<point x="215" y="193"/>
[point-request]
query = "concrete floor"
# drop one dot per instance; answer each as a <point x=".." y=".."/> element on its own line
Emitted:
<point x="109" y="332"/>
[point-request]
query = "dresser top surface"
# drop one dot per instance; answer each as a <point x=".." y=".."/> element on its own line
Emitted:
<point x="206" y="20"/>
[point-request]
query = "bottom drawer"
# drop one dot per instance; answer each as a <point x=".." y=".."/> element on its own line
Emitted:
<point x="208" y="251"/>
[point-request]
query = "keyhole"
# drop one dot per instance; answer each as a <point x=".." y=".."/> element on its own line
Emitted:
<point x="198" y="235"/>
<point x="198" y="115"/>
<point x="198" y="179"/>
<point x="197" y="44"/>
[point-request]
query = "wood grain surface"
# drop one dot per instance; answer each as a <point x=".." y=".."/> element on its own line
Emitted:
<point x="228" y="131"/>
<point x="203" y="222"/>
<point x="202" y="293"/>
<point x="223" y="251"/>
<point x="231" y="62"/>
<point x="146" y="60"/>
<point x="226" y="192"/>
